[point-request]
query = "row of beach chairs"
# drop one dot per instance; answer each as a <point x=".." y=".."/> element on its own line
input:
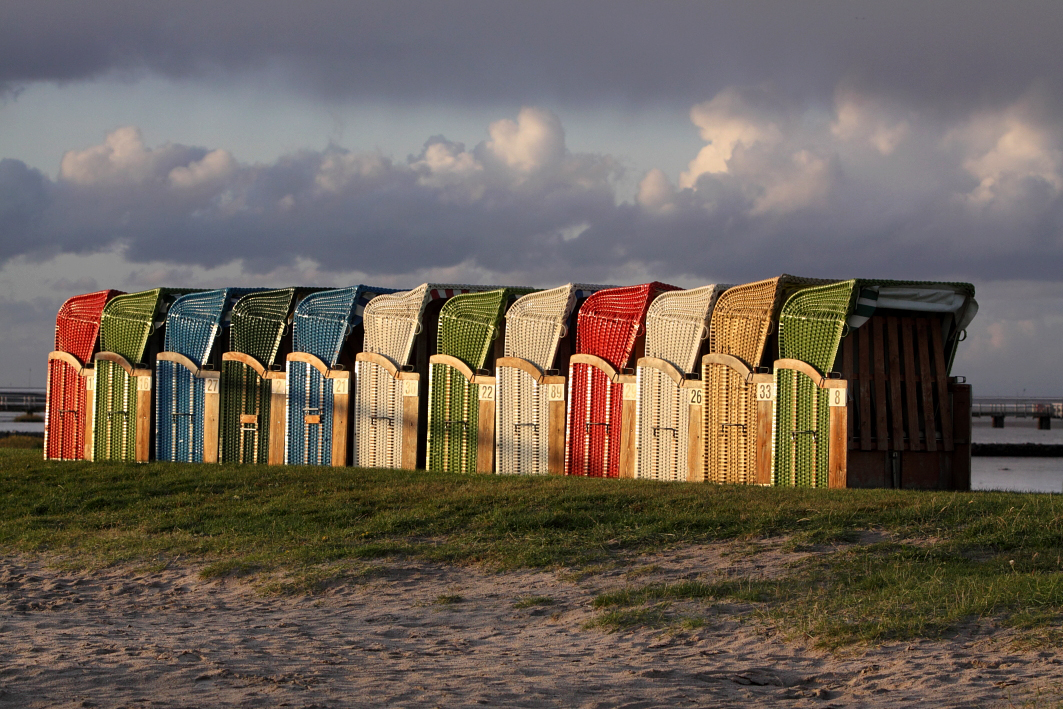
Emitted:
<point x="787" y="381"/>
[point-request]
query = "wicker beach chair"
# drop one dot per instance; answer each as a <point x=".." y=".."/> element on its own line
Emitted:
<point x="187" y="376"/>
<point x="131" y="334"/>
<point x="530" y="398"/>
<point x="601" y="402"/>
<point x="669" y="399"/>
<point x="68" y="407"/>
<point x="390" y="414"/>
<point x="907" y="421"/>
<point x="811" y="326"/>
<point x="319" y="384"/>
<point x="738" y="389"/>
<point x="253" y="396"/>
<point x="461" y="413"/>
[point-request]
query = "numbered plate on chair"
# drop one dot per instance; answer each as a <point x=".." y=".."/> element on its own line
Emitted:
<point x="837" y="396"/>
<point x="341" y="386"/>
<point x="555" y="392"/>
<point x="210" y="385"/>
<point x="766" y="391"/>
<point x="695" y="396"/>
<point x="409" y="387"/>
<point x="280" y="386"/>
<point x="487" y="392"/>
<point x="90" y="383"/>
<point x="143" y="383"/>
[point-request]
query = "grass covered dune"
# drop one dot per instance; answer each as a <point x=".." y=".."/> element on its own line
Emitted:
<point x="868" y="564"/>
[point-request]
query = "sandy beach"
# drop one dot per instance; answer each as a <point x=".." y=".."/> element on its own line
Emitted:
<point x="404" y="633"/>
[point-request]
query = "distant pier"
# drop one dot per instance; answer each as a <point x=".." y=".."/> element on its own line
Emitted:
<point x="22" y="399"/>
<point x="1044" y="409"/>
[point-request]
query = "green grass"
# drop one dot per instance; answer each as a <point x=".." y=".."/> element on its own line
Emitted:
<point x="945" y="561"/>
<point x="17" y="441"/>
<point x="533" y="601"/>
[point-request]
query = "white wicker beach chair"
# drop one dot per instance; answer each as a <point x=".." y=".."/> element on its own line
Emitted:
<point x="389" y="410"/>
<point x="677" y="324"/>
<point x="530" y="395"/>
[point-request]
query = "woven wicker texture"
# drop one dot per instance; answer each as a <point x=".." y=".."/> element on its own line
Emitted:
<point x="392" y="323"/>
<point x="745" y="315"/>
<point x="192" y="325"/>
<point x="729" y="416"/>
<point x="535" y="325"/>
<point x="802" y="422"/>
<point x="258" y="324"/>
<point x="323" y="321"/>
<point x="676" y="325"/>
<point x="812" y="323"/>
<point x="243" y="392"/>
<point x="678" y="322"/>
<point x="116" y="412"/>
<point x="742" y="319"/>
<point x="810" y="329"/>
<point x="468" y="325"/>
<point x="522" y="424"/>
<point x="127" y="324"/>
<point x="609" y="323"/>
<point x="378" y="418"/>
<point x="128" y="320"/>
<point x="77" y="328"/>
<point x="309" y="394"/>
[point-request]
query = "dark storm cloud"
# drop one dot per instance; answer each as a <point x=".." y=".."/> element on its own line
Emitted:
<point x="867" y="190"/>
<point x="949" y="54"/>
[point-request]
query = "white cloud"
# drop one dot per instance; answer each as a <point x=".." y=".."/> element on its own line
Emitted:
<point x="536" y="140"/>
<point x="863" y="118"/>
<point x="1008" y="149"/>
<point x="121" y="156"/>
<point x="216" y="166"/>
<point x="803" y="182"/>
<point x="339" y="168"/>
<point x="656" y="191"/>
<point x="725" y="123"/>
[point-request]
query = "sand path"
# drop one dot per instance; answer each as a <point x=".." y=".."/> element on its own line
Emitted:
<point x="113" y="637"/>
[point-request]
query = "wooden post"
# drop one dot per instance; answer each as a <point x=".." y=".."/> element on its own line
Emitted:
<point x="694" y="394"/>
<point x="142" y="424"/>
<point x="627" y="424"/>
<point x="90" y="410"/>
<point x="341" y="398"/>
<point x="411" y="403"/>
<point x="485" y="430"/>
<point x="838" y="451"/>
<point x="556" y="442"/>
<point x="763" y="397"/>
<point x="278" y="401"/>
<point x="211" y="406"/>
<point x="961" y="435"/>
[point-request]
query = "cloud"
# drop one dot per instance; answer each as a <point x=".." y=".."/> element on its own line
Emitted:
<point x="1011" y="152"/>
<point x="951" y="54"/>
<point x="725" y="123"/>
<point x="535" y="141"/>
<point x="780" y="185"/>
<point x="123" y="158"/>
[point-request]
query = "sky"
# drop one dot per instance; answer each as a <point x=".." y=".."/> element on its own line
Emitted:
<point x="206" y="144"/>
